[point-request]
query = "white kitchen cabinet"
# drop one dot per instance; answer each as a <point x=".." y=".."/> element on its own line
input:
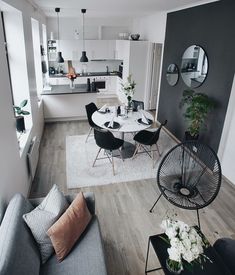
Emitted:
<point x="135" y="56"/>
<point x="95" y="49"/>
<point x="121" y="49"/>
<point x="71" y="49"/>
<point x="58" y="80"/>
<point x="66" y="107"/>
<point x="100" y="49"/>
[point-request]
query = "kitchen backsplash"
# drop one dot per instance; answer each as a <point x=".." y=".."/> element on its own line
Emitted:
<point x="91" y="66"/>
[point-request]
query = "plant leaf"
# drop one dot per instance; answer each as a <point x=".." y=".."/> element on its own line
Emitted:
<point x="23" y="103"/>
<point x="25" y="112"/>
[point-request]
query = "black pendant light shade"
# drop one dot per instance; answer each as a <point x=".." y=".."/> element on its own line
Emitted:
<point x="83" y="57"/>
<point x="59" y="57"/>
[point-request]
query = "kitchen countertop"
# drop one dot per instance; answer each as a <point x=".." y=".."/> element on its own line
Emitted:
<point x="88" y="74"/>
<point x="65" y="89"/>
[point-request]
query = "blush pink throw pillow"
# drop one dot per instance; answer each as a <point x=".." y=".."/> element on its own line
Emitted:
<point x="68" y="228"/>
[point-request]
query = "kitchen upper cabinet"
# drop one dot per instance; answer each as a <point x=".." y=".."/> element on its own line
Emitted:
<point x="95" y="49"/>
<point x="100" y="49"/>
<point x="71" y="49"/>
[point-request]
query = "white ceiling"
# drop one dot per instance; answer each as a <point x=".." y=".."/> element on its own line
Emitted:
<point x="113" y="8"/>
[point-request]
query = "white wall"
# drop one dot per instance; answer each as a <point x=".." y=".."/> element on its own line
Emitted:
<point x="226" y="150"/>
<point x="95" y="28"/>
<point x="13" y="166"/>
<point x="151" y="27"/>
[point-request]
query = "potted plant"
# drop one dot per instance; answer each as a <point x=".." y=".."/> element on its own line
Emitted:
<point x="129" y="90"/>
<point x="20" y="113"/>
<point x="198" y="105"/>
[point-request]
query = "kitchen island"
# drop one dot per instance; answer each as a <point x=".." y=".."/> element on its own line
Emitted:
<point x="62" y="103"/>
<point x="65" y="90"/>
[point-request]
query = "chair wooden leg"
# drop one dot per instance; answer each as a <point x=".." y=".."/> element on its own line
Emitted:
<point x="152" y="153"/>
<point x="113" y="164"/>
<point x="158" y="150"/>
<point x="120" y="152"/>
<point x="136" y="150"/>
<point x="96" y="158"/>
<point x="88" y="134"/>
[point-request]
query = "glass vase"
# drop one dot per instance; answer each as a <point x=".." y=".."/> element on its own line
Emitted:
<point x="71" y="84"/>
<point x="175" y="268"/>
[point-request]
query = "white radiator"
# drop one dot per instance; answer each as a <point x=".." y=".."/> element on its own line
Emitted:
<point x="33" y="156"/>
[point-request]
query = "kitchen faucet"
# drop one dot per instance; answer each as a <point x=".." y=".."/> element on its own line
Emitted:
<point x="107" y="69"/>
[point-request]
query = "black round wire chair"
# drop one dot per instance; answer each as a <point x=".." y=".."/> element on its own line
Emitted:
<point x="189" y="176"/>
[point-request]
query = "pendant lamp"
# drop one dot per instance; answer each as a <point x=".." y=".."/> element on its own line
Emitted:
<point x="83" y="57"/>
<point x="59" y="57"/>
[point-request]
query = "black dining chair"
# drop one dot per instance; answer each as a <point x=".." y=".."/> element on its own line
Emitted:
<point x="137" y="103"/>
<point x="90" y="109"/>
<point x="106" y="140"/>
<point x="148" y="138"/>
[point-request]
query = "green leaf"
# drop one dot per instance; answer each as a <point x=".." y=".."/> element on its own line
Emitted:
<point x="23" y="103"/>
<point x="25" y="112"/>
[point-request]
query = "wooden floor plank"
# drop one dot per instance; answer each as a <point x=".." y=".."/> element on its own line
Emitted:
<point x="123" y="208"/>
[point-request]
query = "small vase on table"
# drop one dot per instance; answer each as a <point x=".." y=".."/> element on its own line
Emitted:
<point x="71" y="84"/>
<point x="174" y="267"/>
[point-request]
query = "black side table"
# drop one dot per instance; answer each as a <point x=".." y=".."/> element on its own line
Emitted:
<point x="217" y="267"/>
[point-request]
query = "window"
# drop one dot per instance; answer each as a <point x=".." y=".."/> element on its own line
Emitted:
<point x="37" y="56"/>
<point x="16" y="55"/>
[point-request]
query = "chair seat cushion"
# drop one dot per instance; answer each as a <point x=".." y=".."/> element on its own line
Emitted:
<point x="117" y="144"/>
<point x="144" y="137"/>
<point x="86" y="257"/>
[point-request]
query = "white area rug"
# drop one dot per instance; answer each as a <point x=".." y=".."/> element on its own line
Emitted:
<point x="80" y="157"/>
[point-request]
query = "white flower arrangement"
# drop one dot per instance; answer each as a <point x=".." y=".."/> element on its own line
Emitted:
<point x="129" y="88"/>
<point x="186" y="244"/>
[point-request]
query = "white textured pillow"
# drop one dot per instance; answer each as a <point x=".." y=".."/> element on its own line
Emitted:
<point x="43" y="217"/>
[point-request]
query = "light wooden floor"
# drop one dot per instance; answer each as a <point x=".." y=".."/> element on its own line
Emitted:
<point x="123" y="209"/>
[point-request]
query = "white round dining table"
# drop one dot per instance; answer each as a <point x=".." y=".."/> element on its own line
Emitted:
<point x="128" y="124"/>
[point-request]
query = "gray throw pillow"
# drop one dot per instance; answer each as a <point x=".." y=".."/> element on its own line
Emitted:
<point x="43" y="217"/>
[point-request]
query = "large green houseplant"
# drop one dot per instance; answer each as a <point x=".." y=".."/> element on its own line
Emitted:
<point x="198" y="105"/>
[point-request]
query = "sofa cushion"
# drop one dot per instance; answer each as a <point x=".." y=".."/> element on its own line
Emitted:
<point x="225" y="247"/>
<point x="86" y="257"/>
<point x="89" y="197"/>
<point x="18" y="251"/>
<point x="42" y="217"/>
<point x="65" y="232"/>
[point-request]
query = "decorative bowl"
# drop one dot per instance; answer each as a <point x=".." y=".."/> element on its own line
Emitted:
<point x="135" y="36"/>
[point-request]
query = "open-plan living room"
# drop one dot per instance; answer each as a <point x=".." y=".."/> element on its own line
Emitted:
<point x="117" y="137"/>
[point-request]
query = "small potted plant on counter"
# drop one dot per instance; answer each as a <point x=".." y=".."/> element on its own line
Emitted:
<point x="198" y="105"/>
<point x="19" y="115"/>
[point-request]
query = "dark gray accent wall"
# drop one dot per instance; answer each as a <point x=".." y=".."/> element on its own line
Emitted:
<point x="212" y="26"/>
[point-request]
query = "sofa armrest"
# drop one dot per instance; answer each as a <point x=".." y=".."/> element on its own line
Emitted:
<point x="225" y="247"/>
<point x="89" y="196"/>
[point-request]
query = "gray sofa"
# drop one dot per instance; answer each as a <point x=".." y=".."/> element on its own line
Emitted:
<point x="19" y="254"/>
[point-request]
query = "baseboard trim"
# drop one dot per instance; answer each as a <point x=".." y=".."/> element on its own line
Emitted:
<point x="63" y="119"/>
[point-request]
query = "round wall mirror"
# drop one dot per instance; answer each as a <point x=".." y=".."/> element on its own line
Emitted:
<point x="194" y="66"/>
<point x="172" y="74"/>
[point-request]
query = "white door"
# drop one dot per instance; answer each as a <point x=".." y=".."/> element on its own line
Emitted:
<point x="155" y="76"/>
